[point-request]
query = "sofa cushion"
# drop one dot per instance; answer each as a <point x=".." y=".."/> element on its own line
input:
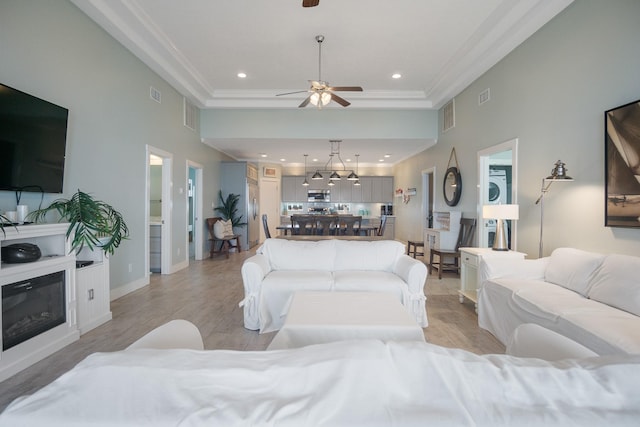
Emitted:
<point x="222" y="228"/>
<point x="299" y="255"/>
<point x="617" y="283"/>
<point x="572" y="269"/>
<point x="369" y="281"/>
<point x="379" y="255"/>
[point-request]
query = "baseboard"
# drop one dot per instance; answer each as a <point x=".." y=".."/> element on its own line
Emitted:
<point x="128" y="288"/>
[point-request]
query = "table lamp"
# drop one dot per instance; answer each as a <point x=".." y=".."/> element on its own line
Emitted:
<point x="500" y="213"/>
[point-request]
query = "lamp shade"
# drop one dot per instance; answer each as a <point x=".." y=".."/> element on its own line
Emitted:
<point x="559" y="172"/>
<point x="500" y="211"/>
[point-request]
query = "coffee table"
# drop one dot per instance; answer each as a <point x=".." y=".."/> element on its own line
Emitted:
<point x="321" y="317"/>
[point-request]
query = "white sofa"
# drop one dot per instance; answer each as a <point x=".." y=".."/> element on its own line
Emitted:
<point x="346" y="383"/>
<point x="282" y="267"/>
<point x="591" y="298"/>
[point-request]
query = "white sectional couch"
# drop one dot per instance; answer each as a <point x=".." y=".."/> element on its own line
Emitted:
<point x="591" y="298"/>
<point x="282" y="267"/>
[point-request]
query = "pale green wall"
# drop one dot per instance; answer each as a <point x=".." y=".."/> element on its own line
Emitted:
<point x="50" y="49"/>
<point x="314" y="123"/>
<point x="551" y="94"/>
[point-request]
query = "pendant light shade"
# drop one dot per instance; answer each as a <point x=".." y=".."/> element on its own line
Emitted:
<point x="317" y="175"/>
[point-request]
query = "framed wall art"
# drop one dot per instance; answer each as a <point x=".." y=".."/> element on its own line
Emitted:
<point x="622" y="166"/>
<point x="269" y="172"/>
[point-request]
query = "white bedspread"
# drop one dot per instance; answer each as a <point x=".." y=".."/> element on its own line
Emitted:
<point x="351" y="383"/>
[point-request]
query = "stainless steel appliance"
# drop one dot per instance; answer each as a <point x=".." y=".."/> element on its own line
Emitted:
<point x="386" y="210"/>
<point x="318" y="195"/>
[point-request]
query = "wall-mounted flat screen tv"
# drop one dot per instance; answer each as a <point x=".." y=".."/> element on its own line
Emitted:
<point x="33" y="134"/>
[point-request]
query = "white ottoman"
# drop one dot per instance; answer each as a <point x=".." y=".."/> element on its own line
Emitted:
<point x="321" y="317"/>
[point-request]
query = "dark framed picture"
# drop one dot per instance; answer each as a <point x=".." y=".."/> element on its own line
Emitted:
<point x="622" y="166"/>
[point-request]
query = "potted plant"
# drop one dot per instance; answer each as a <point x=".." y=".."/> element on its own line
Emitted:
<point x="228" y="210"/>
<point x="92" y="223"/>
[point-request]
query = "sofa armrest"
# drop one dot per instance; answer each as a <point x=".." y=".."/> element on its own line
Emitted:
<point x="414" y="274"/>
<point x="493" y="268"/>
<point x="254" y="270"/>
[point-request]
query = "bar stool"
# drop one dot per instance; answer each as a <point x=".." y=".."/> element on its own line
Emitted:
<point x="412" y="248"/>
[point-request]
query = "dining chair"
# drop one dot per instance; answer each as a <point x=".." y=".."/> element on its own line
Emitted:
<point x="351" y="225"/>
<point x="449" y="260"/>
<point x="383" y="223"/>
<point x="327" y="225"/>
<point x="303" y="224"/>
<point x="265" y="224"/>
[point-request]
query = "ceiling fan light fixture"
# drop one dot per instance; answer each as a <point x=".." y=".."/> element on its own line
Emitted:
<point x="320" y="99"/>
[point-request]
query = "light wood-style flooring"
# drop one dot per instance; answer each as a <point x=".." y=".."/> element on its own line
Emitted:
<point x="207" y="293"/>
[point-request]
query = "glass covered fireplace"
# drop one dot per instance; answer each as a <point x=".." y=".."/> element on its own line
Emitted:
<point x="31" y="307"/>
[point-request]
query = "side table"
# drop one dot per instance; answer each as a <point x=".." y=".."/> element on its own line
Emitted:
<point x="471" y="258"/>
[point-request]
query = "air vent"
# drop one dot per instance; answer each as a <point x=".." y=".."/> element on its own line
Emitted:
<point x="448" y="115"/>
<point x="190" y="115"/>
<point x="155" y="94"/>
<point x="484" y="96"/>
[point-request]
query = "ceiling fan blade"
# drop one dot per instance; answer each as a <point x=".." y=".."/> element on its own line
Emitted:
<point x="339" y="100"/>
<point x="291" y="93"/>
<point x="347" y="88"/>
<point x="305" y="102"/>
<point x="310" y="3"/>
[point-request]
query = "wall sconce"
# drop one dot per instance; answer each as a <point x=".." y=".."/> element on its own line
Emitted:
<point x="500" y="213"/>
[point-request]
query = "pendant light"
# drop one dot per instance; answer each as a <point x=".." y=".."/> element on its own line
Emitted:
<point x="305" y="183"/>
<point x="353" y="176"/>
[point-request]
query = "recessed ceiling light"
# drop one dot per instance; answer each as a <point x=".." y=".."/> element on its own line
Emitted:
<point x="283" y="160"/>
<point x="381" y="160"/>
<point x="396" y="76"/>
<point x="347" y="160"/>
<point x="387" y="156"/>
<point x="263" y="155"/>
<point x="242" y="75"/>
<point x="315" y="160"/>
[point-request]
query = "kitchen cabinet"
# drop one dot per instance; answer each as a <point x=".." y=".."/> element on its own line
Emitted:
<point x="471" y="258"/>
<point x="381" y="189"/>
<point x="293" y="190"/>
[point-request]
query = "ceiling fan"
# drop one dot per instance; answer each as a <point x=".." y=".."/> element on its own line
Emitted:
<point x="321" y="92"/>
<point x="310" y="3"/>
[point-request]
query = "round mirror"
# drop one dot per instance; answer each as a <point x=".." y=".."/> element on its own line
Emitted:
<point x="452" y="186"/>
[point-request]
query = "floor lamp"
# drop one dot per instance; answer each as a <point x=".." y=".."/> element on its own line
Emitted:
<point x="558" y="174"/>
<point x="500" y="213"/>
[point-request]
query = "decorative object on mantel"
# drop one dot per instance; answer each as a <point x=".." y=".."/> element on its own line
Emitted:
<point x="452" y="184"/>
<point x="93" y="223"/>
<point x="622" y="173"/>
<point x="500" y="213"/>
<point x="558" y="174"/>
<point x="328" y="167"/>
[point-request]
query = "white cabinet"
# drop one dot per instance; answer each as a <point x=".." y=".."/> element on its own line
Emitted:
<point x="293" y="190"/>
<point x="92" y="282"/>
<point x="155" y="248"/>
<point x="381" y="189"/>
<point x="56" y="257"/>
<point x="471" y="258"/>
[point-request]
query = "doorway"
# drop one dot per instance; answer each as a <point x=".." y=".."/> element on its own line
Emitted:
<point x="158" y="211"/>
<point x="497" y="184"/>
<point x="194" y="211"/>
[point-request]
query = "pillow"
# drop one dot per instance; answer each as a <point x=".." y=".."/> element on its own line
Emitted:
<point x="572" y="269"/>
<point x="222" y="228"/>
<point x="617" y="283"/>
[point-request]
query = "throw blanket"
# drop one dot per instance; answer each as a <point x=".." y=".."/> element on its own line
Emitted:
<point x="352" y="383"/>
